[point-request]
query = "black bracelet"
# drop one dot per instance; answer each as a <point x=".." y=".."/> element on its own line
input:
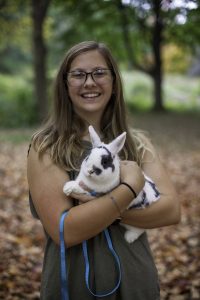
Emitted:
<point x="132" y="190"/>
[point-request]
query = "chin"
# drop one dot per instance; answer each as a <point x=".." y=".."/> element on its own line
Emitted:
<point x="93" y="109"/>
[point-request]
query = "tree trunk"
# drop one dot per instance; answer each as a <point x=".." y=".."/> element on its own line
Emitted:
<point x="157" y="70"/>
<point x="39" y="10"/>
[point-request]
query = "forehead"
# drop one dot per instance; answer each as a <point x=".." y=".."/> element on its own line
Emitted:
<point x="89" y="60"/>
<point x="98" y="152"/>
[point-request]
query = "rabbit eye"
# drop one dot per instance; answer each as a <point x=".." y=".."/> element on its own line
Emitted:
<point x="105" y="161"/>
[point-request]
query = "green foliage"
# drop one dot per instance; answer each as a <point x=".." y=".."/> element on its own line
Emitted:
<point x="72" y="21"/>
<point x="76" y="21"/>
<point x="15" y="35"/>
<point x="16" y="102"/>
<point x="185" y="32"/>
<point x="138" y="90"/>
<point x="176" y="59"/>
<point x="181" y="93"/>
<point x="14" y="21"/>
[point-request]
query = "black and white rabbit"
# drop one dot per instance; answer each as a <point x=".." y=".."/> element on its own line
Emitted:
<point x="100" y="173"/>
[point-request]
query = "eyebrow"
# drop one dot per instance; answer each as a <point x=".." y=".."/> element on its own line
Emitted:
<point x="93" y="69"/>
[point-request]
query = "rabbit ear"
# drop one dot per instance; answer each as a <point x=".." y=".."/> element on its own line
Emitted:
<point x="95" y="139"/>
<point x="117" y="144"/>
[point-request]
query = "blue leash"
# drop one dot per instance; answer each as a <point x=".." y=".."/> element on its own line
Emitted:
<point x="64" y="285"/>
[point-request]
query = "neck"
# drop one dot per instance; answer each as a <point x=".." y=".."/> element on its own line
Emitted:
<point x="93" y="119"/>
<point x="95" y="123"/>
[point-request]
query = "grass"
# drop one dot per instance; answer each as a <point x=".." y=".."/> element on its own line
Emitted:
<point x="181" y="93"/>
<point x="16" y="102"/>
<point x="16" y="136"/>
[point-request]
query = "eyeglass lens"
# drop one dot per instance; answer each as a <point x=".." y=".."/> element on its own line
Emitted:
<point x="99" y="76"/>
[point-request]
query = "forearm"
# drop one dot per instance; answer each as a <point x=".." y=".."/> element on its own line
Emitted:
<point x="164" y="212"/>
<point x="88" y="219"/>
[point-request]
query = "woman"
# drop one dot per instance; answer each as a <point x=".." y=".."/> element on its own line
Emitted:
<point x="88" y="90"/>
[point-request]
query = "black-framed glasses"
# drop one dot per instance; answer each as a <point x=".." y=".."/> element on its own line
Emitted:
<point x="77" y="78"/>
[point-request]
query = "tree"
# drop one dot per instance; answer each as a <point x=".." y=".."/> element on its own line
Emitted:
<point x="14" y="33"/>
<point x="143" y="26"/>
<point x="39" y="12"/>
<point x="141" y="13"/>
<point x="113" y="21"/>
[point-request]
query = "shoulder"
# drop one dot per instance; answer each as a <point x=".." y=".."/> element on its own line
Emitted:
<point x="42" y="163"/>
<point x="144" y="145"/>
<point x="141" y="137"/>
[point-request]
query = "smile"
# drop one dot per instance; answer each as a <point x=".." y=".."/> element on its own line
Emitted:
<point x="90" y="95"/>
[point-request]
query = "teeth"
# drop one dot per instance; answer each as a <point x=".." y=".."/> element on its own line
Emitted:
<point x="90" y="95"/>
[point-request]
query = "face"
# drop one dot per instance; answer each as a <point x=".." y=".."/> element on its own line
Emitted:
<point x="90" y="98"/>
<point x="100" y="164"/>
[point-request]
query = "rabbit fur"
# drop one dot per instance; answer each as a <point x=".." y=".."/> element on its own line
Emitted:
<point x="100" y="173"/>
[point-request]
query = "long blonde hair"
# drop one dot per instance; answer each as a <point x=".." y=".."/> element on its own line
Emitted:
<point x="61" y="136"/>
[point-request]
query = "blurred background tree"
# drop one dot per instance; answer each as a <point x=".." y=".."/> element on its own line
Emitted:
<point x="38" y="14"/>
<point x="155" y="43"/>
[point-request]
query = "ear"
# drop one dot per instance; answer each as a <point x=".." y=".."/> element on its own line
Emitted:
<point x="117" y="144"/>
<point x="95" y="139"/>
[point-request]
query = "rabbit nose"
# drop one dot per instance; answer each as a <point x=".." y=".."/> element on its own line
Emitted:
<point x="90" y="172"/>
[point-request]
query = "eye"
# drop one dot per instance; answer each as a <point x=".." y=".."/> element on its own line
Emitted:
<point x="104" y="161"/>
<point x="77" y="74"/>
<point x="100" y="72"/>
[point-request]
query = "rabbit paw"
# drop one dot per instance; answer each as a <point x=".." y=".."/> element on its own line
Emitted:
<point x="72" y="186"/>
<point x="130" y="237"/>
<point x="132" y="234"/>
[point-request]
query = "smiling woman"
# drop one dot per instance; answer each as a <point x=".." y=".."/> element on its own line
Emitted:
<point x="88" y="91"/>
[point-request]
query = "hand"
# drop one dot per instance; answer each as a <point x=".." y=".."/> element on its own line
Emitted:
<point x="132" y="174"/>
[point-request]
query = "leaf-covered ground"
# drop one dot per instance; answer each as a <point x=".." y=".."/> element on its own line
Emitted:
<point x="176" y="248"/>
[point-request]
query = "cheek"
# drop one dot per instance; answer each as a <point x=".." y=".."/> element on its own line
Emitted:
<point x="110" y="91"/>
<point x="109" y="96"/>
<point x="71" y="92"/>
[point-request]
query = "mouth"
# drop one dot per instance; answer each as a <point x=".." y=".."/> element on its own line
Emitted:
<point x="90" y="95"/>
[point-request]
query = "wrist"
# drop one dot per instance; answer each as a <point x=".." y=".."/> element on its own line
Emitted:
<point x="136" y="183"/>
<point x="130" y="188"/>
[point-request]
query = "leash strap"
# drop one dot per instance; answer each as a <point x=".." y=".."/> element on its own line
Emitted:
<point x="63" y="265"/>
<point x="87" y="265"/>
<point x="64" y="286"/>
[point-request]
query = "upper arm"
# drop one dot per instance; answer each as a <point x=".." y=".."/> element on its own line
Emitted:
<point x="164" y="212"/>
<point x="46" y="182"/>
<point x="155" y="169"/>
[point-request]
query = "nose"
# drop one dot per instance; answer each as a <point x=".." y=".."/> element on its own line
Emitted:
<point x="90" y="172"/>
<point x="89" y="80"/>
